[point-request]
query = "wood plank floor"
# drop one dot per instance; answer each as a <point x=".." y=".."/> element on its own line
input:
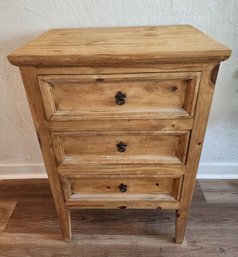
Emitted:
<point x="29" y="226"/>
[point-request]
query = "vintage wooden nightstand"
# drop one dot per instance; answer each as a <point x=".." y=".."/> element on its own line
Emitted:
<point x="120" y="114"/>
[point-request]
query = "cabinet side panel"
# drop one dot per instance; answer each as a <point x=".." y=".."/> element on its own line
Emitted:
<point x="205" y="95"/>
<point x="29" y="77"/>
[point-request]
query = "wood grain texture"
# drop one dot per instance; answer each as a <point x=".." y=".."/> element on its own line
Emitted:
<point x="102" y="148"/>
<point x="137" y="202"/>
<point x="6" y="209"/>
<point x="127" y="125"/>
<point x="147" y="95"/>
<point x="33" y="229"/>
<point x="120" y="45"/>
<point x="134" y="185"/>
<point x="195" y="147"/>
<point x="118" y="68"/>
<point x="212" y="190"/>
<point x="35" y="102"/>
<point x="122" y="169"/>
<point x="120" y="191"/>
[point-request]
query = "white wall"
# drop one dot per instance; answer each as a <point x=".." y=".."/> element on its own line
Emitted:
<point x="22" y="20"/>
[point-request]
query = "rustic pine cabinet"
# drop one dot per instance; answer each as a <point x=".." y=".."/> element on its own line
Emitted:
<point x="120" y="114"/>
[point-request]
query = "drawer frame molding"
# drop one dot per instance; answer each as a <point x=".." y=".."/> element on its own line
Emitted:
<point x="123" y="200"/>
<point x="172" y="196"/>
<point x="59" y="149"/>
<point x="47" y="83"/>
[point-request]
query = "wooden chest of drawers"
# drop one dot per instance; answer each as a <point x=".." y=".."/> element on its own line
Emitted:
<point x="120" y="114"/>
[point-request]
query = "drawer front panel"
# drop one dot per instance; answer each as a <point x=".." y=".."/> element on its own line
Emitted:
<point x="120" y="186"/>
<point x="121" y="96"/>
<point x="120" y="147"/>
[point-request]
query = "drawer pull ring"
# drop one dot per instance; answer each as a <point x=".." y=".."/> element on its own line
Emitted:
<point x="121" y="147"/>
<point x="123" y="187"/>
<point x="120" y="98"/>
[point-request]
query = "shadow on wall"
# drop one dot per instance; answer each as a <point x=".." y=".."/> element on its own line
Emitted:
<point x="235" y="76"/>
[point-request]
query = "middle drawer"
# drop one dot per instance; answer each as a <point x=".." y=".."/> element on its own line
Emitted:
<point x="146" y="147"/>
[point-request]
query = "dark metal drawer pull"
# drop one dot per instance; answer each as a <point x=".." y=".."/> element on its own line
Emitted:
<point x="120" y="98"/>
<point x="123" y="187"/>
<point x="121" y="147"/>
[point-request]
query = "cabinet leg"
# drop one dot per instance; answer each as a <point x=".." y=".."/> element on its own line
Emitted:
<point x="66" y="226"/>
<point x="180" y="226"/>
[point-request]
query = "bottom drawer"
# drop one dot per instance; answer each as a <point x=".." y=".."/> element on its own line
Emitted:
<point x="87" y="191"/>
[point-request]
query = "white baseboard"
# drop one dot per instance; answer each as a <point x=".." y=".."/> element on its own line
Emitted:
<point x="37" y="170"/>
<point x="22" y="171"/>
<point x="218" y="171"/>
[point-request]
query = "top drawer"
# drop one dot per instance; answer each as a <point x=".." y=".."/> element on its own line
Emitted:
<point x="119" y="96"/>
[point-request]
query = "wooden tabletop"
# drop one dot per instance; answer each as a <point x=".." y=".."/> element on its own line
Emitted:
<point x="92" y="46"/>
